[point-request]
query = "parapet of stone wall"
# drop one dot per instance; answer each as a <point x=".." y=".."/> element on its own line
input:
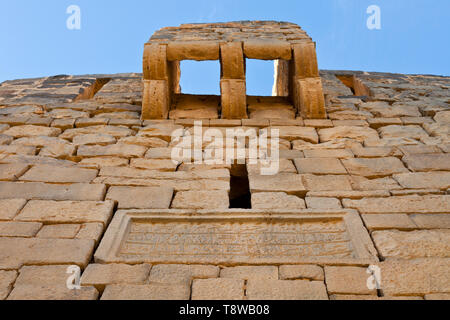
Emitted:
<point x="296" y="74"/>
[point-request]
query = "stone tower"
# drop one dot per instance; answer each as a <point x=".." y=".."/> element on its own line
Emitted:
<point x="296" y="70"/>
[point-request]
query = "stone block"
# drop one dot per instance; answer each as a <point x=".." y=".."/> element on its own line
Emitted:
<point x="320" y="166"/>
<point x="305" y="60"/>
<point x="141" y="197"/>
<point x="232" y="60"/>
<point x="19" y="229"/>
<point x="250" y="273"/>
<point x="193" y="50"/>
<point x="267" y="49"/>
<point x="67" y="212"/>
<point x="301" y="272"/>
<point x="55" y="174"/>
<point x="45" y="191"/>
<point x="155" y="100"/>
<point x="347" y="280"/>
<point x="413" y="244"/>
<point x="100" y="275"/>
<point x="218" y="289"/>
<point x="201" y="200"/>
<point x="374" y="168"/>
<point x="276" y="200"/>
<point x="9" y="208"/>
<point x="12" y="171"/>
<point x="289" y="183"/>
<point x="309" y="99"/>
<point x="286" y="290"/>
<point x="234" y="99"/>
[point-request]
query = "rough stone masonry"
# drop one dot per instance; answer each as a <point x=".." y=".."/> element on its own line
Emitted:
<point x="85" y="181"/>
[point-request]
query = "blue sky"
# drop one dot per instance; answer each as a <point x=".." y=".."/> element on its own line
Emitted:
<point x="414" y="36"/>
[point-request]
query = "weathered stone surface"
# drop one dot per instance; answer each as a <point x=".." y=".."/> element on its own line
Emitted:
<point x="431" y="221"/>
<point x="56" y="174"/>
<point x="286" y="290"/>
<point x="50" y="275"/>
<point x="297" y="133"/>
<point x="323" y="203"/>
<point x="250" y="273"/>
<point x="363" y="183"/>
<point x="412" y="132"/>
<point x="428" y="162"/>
<point x="15" y="252"/>
<point x="217" y="174"/>
<point x="115" y="131"/>
<point x="285" y="166"/>
<point x="19" y="229"/>
<point x="145" y="142"/>
<point x="9" y="208"/>
<point x="326" y="182"/>
<point x="59" y="231"/>
<point x="4" y="139"/>
<point x="376" y="123"/>
<point x="424" y="180"/>
<point x="383" y="109"/>
<point x="414" y="244"/>
<point x="154" y="164"/>
<point x="146" y="292"/>
<point x="388" y="221"/>
<point x="201" y="200"/>
<point x="31" y="131"/>
<point x="276" y="200"/>
<point x="99" y="162"/>
<point x="90" y="231"/>
<point x="120" y="150"/>
<point x="328" y="153"/>
<point x="374" y="168"/>
<point x="181" y="273"/>
<point x="302" y="272"/>
<point x="99" y="275"/>
<point x="161" y="131"/>
<point x="407" y="204"/>
<point x="267" y="49"/>
<point x="17" y="149"/>
<point x="376" y="152"/>
<point x="61" y="151"/>
<point x="43" y="191"/>
<point x="419" y="149"/>
<point x="94" y="139"/>
<point x="289" y="183"/>
<point x="319" y="166"/>
<point x="141" y="197"/>
<point x="347" y="280"/>
<point x="7" y="279"/>
<point x="11" y="172"/>
<point x="430" y="276"/>
<point x="218" y="289"/>
<point x="67" y="211"/>
<point x="335" y="144"/>
<point x="45" y="293"/>
<point x="359" y="134"/>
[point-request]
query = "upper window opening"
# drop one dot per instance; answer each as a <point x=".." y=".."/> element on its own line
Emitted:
<point x="200" y="77"/>
<point x="260" y="77"/>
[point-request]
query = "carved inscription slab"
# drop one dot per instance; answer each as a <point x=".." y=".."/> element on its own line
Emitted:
<point x="228" y="240"/>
